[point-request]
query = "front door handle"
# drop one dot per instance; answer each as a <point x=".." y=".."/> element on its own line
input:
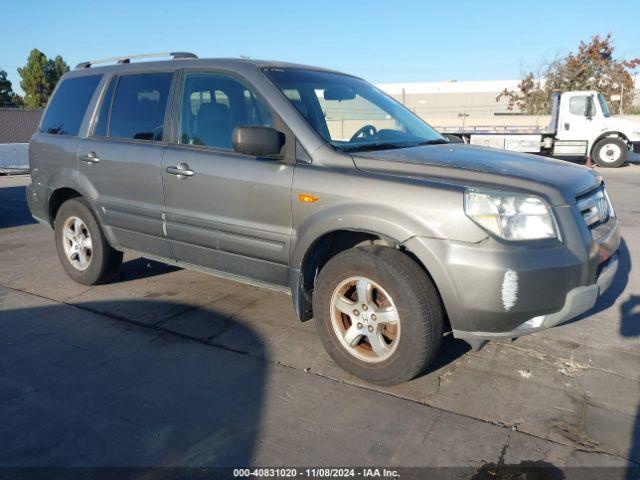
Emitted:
<point x="90" y="157"/>
<point x="181" y="170"/>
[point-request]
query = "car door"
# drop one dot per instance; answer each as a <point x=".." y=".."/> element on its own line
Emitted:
<point x="228" y="212"/>
<point x="121" y="160"/>
<point x="580" y="118"/>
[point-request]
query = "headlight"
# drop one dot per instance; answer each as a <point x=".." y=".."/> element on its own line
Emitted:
<point x="511" y="216"/>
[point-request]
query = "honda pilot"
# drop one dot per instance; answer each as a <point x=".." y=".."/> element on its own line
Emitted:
<point x="315" y="183"/>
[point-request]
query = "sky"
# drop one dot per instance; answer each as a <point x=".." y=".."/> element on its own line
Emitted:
<point x="381" y="41"/>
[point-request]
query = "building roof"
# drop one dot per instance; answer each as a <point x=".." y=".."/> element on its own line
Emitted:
<point x="452" y="86"/>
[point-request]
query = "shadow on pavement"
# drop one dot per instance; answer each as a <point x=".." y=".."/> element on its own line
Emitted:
<point x="526" y="470"/>
<point x="630" y="327"/>
<point x="77" y="390"/>
<point x="141" y="268"/>
<point x="14" y="211"/>
<point x="618" y="286"/>
<point x="450" y="350"/>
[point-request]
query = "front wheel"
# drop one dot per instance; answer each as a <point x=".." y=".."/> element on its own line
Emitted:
<point x="378" y="314"/>
<point x="610" y="152"/>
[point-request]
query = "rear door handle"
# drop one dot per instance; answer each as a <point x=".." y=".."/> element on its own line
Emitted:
<point x="181" y="170"/>
<point x="90" y="157"/>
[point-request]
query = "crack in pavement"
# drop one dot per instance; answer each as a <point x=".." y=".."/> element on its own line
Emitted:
<point x="230" y="318"/>
<point x="570" y="366"/>
<point x="159" y="328"/>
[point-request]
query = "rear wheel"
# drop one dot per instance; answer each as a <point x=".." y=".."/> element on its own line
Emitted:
<point x="610" y="152"/>
<point x="378" y="314"/>
<point x="82" y="248"/>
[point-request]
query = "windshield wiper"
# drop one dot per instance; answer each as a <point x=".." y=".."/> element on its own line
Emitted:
<point x="366" y="147"/>
<point x="437" y="141"/>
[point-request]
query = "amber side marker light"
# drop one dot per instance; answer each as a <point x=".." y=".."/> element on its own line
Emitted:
<point x="305" y="198"/>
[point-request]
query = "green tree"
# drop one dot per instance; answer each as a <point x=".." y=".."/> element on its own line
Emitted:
<point x="8" y="98"/>
<point x="39" y="77"/>
<point x="592" y="67"/>
<point x="57" y="68"/>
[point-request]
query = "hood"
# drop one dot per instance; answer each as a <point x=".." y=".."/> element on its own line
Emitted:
<point x="630" y="128"/>
<point x="470" y="165"/>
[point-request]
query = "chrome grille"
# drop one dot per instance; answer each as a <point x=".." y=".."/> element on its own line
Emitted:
<point x="595" y="207"/>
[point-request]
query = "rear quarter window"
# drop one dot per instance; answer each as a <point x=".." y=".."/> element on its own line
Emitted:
<point x="67" y="107"/>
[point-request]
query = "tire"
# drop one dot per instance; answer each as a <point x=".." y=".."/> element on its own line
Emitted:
<point x="610" y="152"/>
<point x="416" y="338"/>
<point x="102" y="261"/>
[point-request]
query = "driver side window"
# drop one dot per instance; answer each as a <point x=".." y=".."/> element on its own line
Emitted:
<point x="581" y="105"/>
<point x="213" y="104"/>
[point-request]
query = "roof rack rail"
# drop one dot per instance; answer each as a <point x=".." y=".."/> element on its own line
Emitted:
<point x="128" y="58"/>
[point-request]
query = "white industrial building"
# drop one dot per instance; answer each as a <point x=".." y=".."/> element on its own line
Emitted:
<point x="474" y="102"/>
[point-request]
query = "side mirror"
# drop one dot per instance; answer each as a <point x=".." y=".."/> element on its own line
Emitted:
<point x="257" y="141"/>
<point x="589" y="110"/>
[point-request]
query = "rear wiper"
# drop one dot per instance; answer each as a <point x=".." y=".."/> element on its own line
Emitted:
<point x="372" y="146"/>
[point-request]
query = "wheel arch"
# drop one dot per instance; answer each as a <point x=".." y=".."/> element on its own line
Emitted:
<point x="64" y="192"/>
<point x="57" y="198"/>
<point x="611" y="133"/>
<point x="326" y="246"/>
<point x="310" y="260"/>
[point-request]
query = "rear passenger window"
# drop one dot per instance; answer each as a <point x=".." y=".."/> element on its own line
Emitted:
<point x="139" y="105"/>
<point x="213" y="105"/>
<point x="69" y="104"/>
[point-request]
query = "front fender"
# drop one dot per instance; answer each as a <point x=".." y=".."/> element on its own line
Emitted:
<point x="385" y="222"/>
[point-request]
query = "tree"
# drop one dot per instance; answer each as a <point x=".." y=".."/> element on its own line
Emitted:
<point x="8" y="98"/>
<point x="593" y="67"/>
<point x="58" y="67"/>
<point x="39" y="77"/>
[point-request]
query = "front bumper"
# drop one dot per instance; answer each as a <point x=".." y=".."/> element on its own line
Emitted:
<point x="578" y="300"/>
<point x="495" y="289"/>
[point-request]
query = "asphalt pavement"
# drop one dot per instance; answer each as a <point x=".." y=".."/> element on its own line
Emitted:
<point x="170" y="367"/>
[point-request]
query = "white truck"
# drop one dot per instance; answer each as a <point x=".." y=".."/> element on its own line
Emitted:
<point x="581" y="126"/>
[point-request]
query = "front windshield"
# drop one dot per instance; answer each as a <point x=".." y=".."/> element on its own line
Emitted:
<point x="349" y="113"/>
<point x="603" y="105"/>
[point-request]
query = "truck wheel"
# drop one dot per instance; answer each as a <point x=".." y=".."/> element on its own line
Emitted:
<point x="378" y="314"/>
<point x="610" y="152"/>
<point x="82" y="248"/>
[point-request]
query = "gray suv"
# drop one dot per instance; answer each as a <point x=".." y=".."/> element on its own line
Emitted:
<point x="316" y="183"/>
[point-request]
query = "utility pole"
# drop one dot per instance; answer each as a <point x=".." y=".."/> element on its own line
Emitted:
<point x="464" y="116"/>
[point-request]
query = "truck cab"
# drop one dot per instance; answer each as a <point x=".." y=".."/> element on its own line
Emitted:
<point x="584" y="116"/>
